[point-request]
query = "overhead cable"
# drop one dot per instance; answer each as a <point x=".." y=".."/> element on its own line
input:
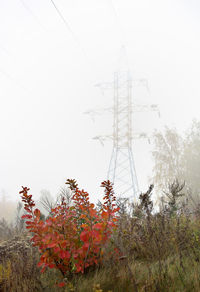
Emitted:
<point x="17" y="82"/>
<point x="71" y="31"/>
<point x="32" y="14"/>
<point x="121" y="30"/>
<point x="63" y="19"/>
<point x="5" y="50"/>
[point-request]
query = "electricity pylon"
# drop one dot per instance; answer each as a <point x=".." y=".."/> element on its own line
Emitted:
<point x="121" y="169"/>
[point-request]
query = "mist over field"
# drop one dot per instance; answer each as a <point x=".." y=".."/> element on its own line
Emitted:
<point x="48" y="73"/>
<point x="99" y="145"/>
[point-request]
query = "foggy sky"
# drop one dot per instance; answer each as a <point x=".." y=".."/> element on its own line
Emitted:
<point x="47" y="78"/>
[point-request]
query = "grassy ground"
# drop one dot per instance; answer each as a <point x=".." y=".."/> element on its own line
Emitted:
<point x="161" y="253"/>
<point x="169" y="275"/>
<point x="177" y="272"/>
<point x="147" y="277"/>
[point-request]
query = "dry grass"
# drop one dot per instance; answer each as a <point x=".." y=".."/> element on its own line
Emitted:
<point x="161" y="253"/>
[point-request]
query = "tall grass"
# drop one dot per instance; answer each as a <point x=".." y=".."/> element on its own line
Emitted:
<point x="160" y="251"/>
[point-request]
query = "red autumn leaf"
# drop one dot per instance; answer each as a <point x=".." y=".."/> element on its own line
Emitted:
<point x="32" y="204"/>
<point x="93" y="212"/>
<point x="56" y="249"/>
<point x="84" y="236"/>
<point x="96" y="235"/>
<point x="86" y="246"/>
<point x="110" y="223"/>
<point x="37" y="213"/>
<point x="83" y="216"/>
<point x="63" y="244"/>
<point x="79" y="268"/>
<point x="53" y="244"/>
<point x="43" y="270"/>
<point x="98" y="226"/>
<point x="75" y="255"/>
<point x="61" y="284"/>
<point x="27" y="209"/>
<point x="64" y="254"/>
<point x="104" y="215"/>
<point x="29" y="227"/>
<point x="27" y="216"/>
<point x="29" y="222"/>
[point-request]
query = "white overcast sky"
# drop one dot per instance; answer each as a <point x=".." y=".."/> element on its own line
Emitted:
<point x="47" y="78"/>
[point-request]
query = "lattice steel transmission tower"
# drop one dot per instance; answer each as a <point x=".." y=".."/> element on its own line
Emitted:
<point x="121" y="169"/>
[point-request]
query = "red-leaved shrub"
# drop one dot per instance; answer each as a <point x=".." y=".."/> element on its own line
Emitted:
<point x="73" y="238"/>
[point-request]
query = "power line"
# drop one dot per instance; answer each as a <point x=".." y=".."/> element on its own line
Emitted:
<point x="2" y="48"/>
<point x="9" y="76"/>
<point x="27" y="8"/>
<point x="120" y="29"/>
<point x="63" y="19"/>
<point x="124" y="54"/>
<point x="67" y="25"/>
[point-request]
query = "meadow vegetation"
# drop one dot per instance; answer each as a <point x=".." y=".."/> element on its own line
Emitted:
<point x="144" y="249"/>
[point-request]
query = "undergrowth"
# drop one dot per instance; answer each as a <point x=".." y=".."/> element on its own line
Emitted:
<point x="159" y="251"/>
